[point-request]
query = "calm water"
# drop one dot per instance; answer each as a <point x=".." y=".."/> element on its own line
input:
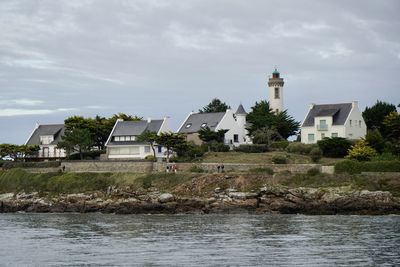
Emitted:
<point x="198" y="240"/>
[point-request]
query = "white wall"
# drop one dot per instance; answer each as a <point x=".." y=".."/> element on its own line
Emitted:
<point x="228" y="122"/>
<point x="276" y="103"/>
<point x="355" y="130"/>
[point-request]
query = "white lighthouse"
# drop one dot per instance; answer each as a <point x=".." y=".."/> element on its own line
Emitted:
<point x="275" y="85"/>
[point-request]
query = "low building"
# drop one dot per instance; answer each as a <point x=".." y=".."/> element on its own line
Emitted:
<point x="123" y="141"/>
<point x="235" y="123"/>
<point x="333" y="120"/>
<point x="47" y="136"/>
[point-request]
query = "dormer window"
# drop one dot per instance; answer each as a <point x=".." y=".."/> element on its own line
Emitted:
<point x="188" y="125"/>
<point x="46" y="139"/>
<point x="204" y="125"/>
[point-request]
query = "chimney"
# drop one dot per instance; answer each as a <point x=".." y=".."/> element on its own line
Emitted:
<point x="148" y="120"/>
<point x="354" y="104"/>
<point x="312" y="105"/>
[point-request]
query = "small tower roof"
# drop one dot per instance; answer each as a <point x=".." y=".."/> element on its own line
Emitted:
<point x="275" y="71"/>
<point x="240" y="110"/>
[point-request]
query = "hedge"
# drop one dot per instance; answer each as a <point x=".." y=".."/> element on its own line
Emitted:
<point x="281" y="145"/>
<point x="17" y="164"/>
<point x="256" y="148"/>
<point x="88" y="155"/>
<point x="353" y="167"/>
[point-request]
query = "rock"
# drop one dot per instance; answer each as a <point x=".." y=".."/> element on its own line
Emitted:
<point x="242" y="195"/>
<point x="166" y="197"/>
<point x="217" y="190"/>
<point x="230" y="190"/>
<point x="228" y="177"/>
<point x="6" y="196"/>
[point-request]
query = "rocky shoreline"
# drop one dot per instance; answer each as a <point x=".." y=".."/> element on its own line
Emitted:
<point x="312" y="201"/>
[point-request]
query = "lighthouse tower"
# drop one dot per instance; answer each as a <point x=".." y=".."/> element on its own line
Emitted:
<point x="275" y="85"/>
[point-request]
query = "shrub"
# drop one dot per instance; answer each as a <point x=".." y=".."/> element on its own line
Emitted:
<point x="361" y="151"/>
<point x="300" y="148"/>
<point x="335" y="147"/>
<point x="150" y="158"/>
<point x="196" y="169"/>
<point x="375" y="140"/>
<point x="252" y="148"/>
<point x="218" y="147"/>
<point x="353" y="166"/>
<point x="280" y="145"/>
<point x="279" y="159"/>
<point x="316" y="154"/>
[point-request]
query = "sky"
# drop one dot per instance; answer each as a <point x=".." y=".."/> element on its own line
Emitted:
<point x="155" y="58"/>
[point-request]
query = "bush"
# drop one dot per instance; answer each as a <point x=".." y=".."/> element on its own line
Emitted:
<point x="88" y="155"/>
<point x="196" y="169"/>
<point x="279" y="159"/>
<point x="375" y="140"/>
<point x="218" y="147"/>
<point x="353" y="166"/>
<point x="280" y="145"/>
<point x="335" y="147"/>
<point x="361" y="151"/>
<point x="252" y="148"/>
<point x="300" y="148"/>
<point x="316" y="154"/>
<point x="150" y="158"/>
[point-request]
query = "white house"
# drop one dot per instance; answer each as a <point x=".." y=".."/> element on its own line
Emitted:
<point x="235" y="123"/>
<point x="47" y="136"/>
<point x="333" y="120"/>
<point x="123" y="144"/>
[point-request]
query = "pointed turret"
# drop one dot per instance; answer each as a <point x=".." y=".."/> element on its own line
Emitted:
<point x="240" y="110"/>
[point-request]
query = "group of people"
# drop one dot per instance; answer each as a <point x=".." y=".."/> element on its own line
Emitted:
<point x="220" y="168"/>
<point x="171" y="168"/>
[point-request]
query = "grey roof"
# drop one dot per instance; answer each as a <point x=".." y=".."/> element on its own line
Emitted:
<point x="136" y="128"/>
<point x="240" y="110"/>
<point x="339" y="112"/>
<point x="196" y="120"/>
<point x="56" y="130"/>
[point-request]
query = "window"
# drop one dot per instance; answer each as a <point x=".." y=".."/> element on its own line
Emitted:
<point x="350" y="135"/>
<point x="188" y="125"/>
<point x="350" y="123"/>
<point x="159" y="149"/>
<point x="204" y="125"/>
<point x="116" y="138"/>
<point x="128" y="138"/>
<point x="236" y="138"/>
<point x="322" y="136"/>
<point x="46" y="139"/>
<point x="359" y="124"/>
<point x="335" y="135"/>
<point x="310" y="137"/>
<point x="276" y="110"/>
<point x="147" y="149"/>
<point x="277" y="93"/>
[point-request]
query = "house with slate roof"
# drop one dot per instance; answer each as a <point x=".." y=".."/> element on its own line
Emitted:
<point x="123" y="140"/>
<point x="47" y="136"/>
<point x="333" y="120"/>
<point x="235" y="123"/>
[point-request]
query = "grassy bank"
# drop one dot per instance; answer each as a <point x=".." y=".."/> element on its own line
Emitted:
<point x="186" y="184"/>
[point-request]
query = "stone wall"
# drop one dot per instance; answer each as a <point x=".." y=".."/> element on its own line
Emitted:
<point x="108" y="166"/>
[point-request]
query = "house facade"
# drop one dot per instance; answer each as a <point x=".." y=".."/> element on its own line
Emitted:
<point x="235" y="123"/>
<point x="47" y="136"/>
<point x="333" y="120"/>
<point x="123" y="141"/>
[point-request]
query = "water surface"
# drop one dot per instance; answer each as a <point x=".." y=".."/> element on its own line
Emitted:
<point x="198" y="240"/>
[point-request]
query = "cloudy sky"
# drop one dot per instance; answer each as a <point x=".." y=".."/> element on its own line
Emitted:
<point x="166" y="58"/>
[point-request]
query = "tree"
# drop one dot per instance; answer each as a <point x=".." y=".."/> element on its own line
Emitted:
<point x="17" y="152"/>
<point x="375" y="115"/>
<point x="76" y="140"/>
<point x="266" y="135"/>
<point x="215" y="105"/>
<point x="208" y="135"/>
<point x="392" y="126"/>
<point x="262" y="116"/>
<point x="375" y="140"/>
<point x="335" y="147"/>
<point x="171" y="141"/>
<point x="361" y="151"/>
<point x="99" y="127"/>
<point x="150" y="137"/>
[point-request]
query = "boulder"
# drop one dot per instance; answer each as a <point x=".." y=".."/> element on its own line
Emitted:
<point x="166" y="197"/>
